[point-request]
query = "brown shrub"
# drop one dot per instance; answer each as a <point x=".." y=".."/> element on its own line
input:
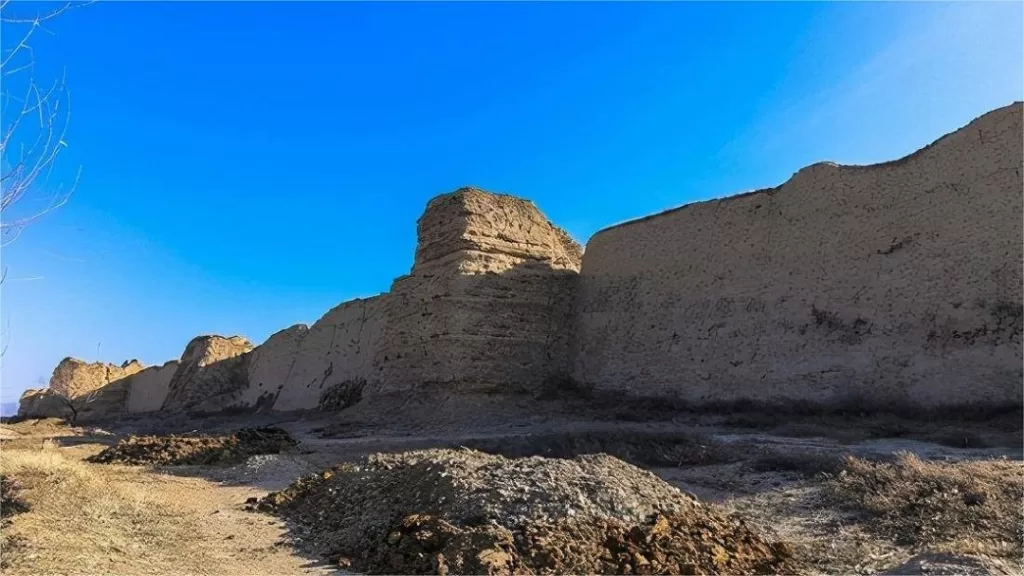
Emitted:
<point x="974" y="506"/>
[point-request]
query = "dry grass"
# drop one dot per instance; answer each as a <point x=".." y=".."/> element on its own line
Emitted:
<point x="971" y="507"/>
<point x="82" y="519"/>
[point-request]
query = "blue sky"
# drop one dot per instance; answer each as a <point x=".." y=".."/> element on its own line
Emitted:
<point x="246" y="166"/>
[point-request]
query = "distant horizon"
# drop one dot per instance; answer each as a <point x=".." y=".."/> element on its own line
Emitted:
<point x="257" y="176"/>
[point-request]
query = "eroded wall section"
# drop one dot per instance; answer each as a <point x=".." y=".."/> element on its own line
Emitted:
<point x="294" y="368"/>
<point x="898" y="283"/>
<point x="73" y="378"/>
<point x="487" y="302"/>
<point x="147" y="389"/>
<point x="212" y="370"/>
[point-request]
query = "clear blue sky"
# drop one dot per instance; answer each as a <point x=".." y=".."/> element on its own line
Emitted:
<point x="247" y="166"/>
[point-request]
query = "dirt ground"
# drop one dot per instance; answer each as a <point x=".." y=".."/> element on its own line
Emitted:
<point x="193" y="520"/>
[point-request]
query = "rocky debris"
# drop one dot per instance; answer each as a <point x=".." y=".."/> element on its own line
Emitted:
<point x="462" y="511"/>
<point x="196" y="449"/>
<point x="210" y="371"/>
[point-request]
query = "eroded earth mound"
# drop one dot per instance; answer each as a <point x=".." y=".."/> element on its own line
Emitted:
<point x="463" y="511"/>
<point x="196" y="449"/>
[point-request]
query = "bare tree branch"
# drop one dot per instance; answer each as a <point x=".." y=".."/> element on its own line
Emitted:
<point x="34" y="122"/>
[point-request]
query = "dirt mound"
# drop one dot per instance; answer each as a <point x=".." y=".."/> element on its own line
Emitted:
<point x="463" y="511"/>
<point x="196" y="449"/>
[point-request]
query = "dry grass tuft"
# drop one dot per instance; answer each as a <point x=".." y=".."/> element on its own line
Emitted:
<point x="971" y="507"/>
<point x="84" y="519"/>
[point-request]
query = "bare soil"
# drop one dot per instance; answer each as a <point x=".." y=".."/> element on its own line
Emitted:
<point x="786" y="477"/>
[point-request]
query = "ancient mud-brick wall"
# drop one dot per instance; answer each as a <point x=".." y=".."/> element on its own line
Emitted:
<point x="892" y="284"/>
<point x="211" y="371"/>
<point x="487" y="304"/>
<point x="93" y="389"/>
<point x="295" y="367"/>
<point x="73" y="378"/>
<point x="148" y="388"/>
<point x="43" y="403"/>
<point x="488" y="300"/>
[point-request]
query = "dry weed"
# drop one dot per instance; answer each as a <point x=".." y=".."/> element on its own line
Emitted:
<point x="962" y="507"/>
<point x="84" y="519"/>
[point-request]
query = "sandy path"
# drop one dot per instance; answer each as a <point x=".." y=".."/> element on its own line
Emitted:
<point x="109" y="519"/>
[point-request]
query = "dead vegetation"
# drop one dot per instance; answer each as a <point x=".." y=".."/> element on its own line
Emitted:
<point x="966" y="507"/>
<point x="463" y="511"/>
<point x="76" y="520"/>
<point x="196" y="449"/>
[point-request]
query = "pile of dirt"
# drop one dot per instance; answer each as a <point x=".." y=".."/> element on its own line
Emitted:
<point x="969" y="506"/>
<point x="462" y="511"/>
<point x="196" y="449"/>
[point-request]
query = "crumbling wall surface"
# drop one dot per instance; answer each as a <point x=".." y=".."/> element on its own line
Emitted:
<point x="298" y="367"/>
<point x="43" y="403"/>
<point x="893" y="284"/>
<point x="73" y="377"/>
<point x="487" y="302"/>
<point x="212" y="370"/>
<point x="268" y="367"/>
<point x="110" y="401"/>
<point x="472" y="231"/>
<point x="147" y="389"/>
